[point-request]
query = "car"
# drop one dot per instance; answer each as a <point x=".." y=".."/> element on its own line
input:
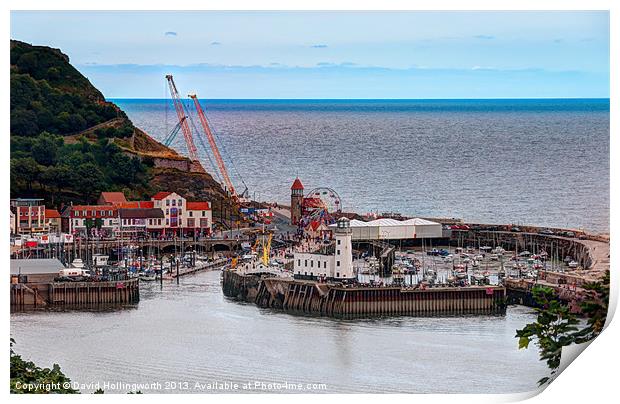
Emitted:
<point x="63" y="279"/>
<point x="569" y="234"/>
<point x="548" y="232"/>
<point x="515" y="229"/>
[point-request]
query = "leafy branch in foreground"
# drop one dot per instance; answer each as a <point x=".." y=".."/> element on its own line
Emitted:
<point x="26" y="373"/>
<point x="556" y="325"/>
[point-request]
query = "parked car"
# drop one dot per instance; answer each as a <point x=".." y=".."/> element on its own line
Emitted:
<point x="548" y="232"/>
<point x="515" y="229"/>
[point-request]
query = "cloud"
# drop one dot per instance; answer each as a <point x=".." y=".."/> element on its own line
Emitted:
<point x="484" y="37"/>
<point x="215" y="43"/>
<point x="319" y="46"/>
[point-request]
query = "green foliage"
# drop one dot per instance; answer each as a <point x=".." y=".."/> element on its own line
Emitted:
<point x="46" y="166"/>
<point x="27" y="373"/>
<point x="50" y="99"/>
<point x="554" y="328"/>
<point x="48" y="94"/>
<point x="595" y="306"/>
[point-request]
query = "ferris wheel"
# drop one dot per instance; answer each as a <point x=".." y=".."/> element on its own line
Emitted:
<point x="324" y="199"/>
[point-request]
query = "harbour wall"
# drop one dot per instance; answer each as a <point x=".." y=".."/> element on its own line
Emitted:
<point x="74" y="294"/>
<point x="346" y="301"/>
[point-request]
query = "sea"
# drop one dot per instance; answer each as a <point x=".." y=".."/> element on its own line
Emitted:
<point x="523" y="161"/>
<point x="189" y="338"/>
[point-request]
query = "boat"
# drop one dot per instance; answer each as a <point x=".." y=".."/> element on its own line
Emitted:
<point x="147" y="276"/>
<point x="77" y="263"/>
<point x="573" y="264"/>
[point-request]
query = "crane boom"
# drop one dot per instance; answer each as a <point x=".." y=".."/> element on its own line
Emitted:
<point x="173" y="133"/>
<point x="178" y="106"/>
<point x="214" y="148"/>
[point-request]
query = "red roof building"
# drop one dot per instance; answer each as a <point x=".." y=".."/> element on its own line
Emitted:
<point x="52" y="214"/>
<point x="297" y="185"/>
<point x="111" y="198"/>
<point x="136" y="205"/>
<point x="198" y="206"/>
<point x="160" y="195"/>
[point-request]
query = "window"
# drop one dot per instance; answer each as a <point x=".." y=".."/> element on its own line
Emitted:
<point x="180" y="212"/>
<point x="167" y="202"/>
<point x="311" y="273"/>
<point x="299" y="262"/>
<point x="109" y="213"/>
<point x="203" y="213"/>
<point x="77" y="213"/>
<point x="191" y="214"/>
<point x="167" y="211"/>
<point x="339" y="242"/>
<point x="305" y="263"/>
<point x="337" y="263"/>
<point x="174" y="202"/>
<point x="311" y="264"/>
<point x="337" y="274"/>
<point x="167" y="222"/>
<point x="180" y="202"/>
<point x="159" y="221"/>
<point x="338" y="252"/>
<point x="325" y="264"/>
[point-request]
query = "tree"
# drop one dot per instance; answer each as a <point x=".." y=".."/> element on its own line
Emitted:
<point x="45" y="149"/>
<point x="24" y="122"/>
<point x="57" y="178"/>
<point x="26" y="169"/>
<point x="27" y="373"/>
<point x="595" y="306"/>
<point x="554" y="328"/>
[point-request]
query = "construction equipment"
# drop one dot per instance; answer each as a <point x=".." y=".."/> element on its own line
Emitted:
<point x="180" y="110"/>
<point x="216" y="152"/>
<point x="173" y="133"/>
<point x="266" y="249"/>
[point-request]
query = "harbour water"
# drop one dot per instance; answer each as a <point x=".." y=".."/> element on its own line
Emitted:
<point x="190" y="333"/>
<point x="542" y="162"/>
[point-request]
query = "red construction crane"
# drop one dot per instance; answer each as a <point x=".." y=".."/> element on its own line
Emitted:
<point x="216" y="151"/>
<point x="178" y="106"/>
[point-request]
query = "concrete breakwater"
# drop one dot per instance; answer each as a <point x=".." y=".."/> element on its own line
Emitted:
<point x="347" y="301"/>
<point x="74" y="294"/>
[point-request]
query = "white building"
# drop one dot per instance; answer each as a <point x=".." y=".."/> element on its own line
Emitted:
<point x="180" y="214"/>
<point x="390" y="229"/>
<point x="337" y="266"/>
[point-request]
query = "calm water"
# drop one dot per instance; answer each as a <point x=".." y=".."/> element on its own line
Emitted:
<point x="191" y="332"/>
<point x="542" y="162"/>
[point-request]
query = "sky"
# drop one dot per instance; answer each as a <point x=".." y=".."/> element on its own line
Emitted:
<point x="472" y="54"/>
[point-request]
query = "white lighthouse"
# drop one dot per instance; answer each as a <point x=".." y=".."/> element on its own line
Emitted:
<point x="343" y="265"/>
<point x="327" y="265"/>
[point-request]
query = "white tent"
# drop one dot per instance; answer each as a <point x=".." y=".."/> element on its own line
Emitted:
<point x="390" y="229"/>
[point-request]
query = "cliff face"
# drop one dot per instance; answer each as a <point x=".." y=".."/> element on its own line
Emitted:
<point x="68" y="143"/>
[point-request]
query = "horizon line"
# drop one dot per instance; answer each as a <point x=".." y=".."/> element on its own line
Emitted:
<point x="373" y="99"/>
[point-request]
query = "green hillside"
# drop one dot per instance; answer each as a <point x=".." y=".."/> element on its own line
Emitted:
<point x="68" y="143"/>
